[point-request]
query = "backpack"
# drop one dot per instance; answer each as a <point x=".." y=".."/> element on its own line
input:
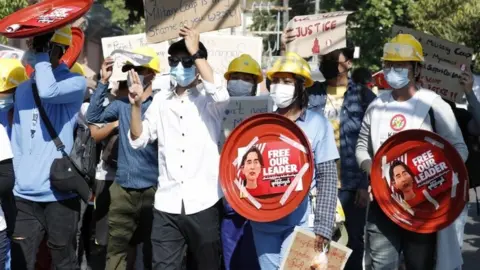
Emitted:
<point x="84" y="153"/>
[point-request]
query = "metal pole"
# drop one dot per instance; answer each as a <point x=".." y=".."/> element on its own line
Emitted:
<point x="317" y="6"/>
<point x="244" y="20"/>
<point x="285" y="14"/>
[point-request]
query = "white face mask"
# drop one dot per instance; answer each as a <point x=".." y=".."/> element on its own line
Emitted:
<point x="282" y="94"/>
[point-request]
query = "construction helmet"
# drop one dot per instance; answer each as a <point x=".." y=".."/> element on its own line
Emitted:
<point x="292" y="63"/>
<point x="244" y="64"/>
<point x="403" y="48"/>
<point x="78" y="68"/>
<point x="12" y="73"/>
<point x="154" y="63"/>
<point x="63" y="36"/>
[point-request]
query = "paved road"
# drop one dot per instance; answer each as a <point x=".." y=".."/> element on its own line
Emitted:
<point x="471" y="242"/>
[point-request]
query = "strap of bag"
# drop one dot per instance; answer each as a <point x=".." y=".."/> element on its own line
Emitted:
<point x="46" y="121"/>
<point x="432" y="119"/>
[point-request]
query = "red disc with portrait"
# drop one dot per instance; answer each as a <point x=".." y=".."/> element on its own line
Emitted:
<point x="266" y="167"/>
<point x="420" y="181"/>
<point x="73" y="52"/>
<point x="43" y="17"/>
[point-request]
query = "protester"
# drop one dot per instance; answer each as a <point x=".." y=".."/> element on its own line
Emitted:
<point x="132" y="193"/>
<point x="243" y="76"/>
<point x="469" y="123"/>
<point x="385" y="240"/>
<point x="12" y="73"/>
<point x="186" y="125"/>
<point x="289" y="76"/>
<point x="42" y="209"/>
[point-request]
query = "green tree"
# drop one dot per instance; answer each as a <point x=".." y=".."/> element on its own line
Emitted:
<point x="128" y="19"/>
<point x="453" y="20"/>
<point x="7" y="7"/>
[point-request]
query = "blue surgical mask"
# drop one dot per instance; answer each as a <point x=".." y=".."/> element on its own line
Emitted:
<point x="183" y="76"/>
<point x="239" y="88"/>
<point x="6" y="103"/>
<point x="396" y="79"/>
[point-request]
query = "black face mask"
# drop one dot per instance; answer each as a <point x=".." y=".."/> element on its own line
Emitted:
<point x="329" y="69"/>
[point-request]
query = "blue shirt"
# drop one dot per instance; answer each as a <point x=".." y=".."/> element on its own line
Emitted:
<point x="355" y="102"/>
<point x="135" y="168"/>
<point x="319" y="132"/>
<point x="61" y="93"/>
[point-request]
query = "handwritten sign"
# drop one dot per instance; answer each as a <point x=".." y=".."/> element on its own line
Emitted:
<point x="241" y="108"/>
<point x="128" y="43"/>
<point x="164" y="19"/>
<point x="223" y="49"/>
<point x="444" y="61"/>
<point x="319" y="33"/>
<point x="301" y="252"/>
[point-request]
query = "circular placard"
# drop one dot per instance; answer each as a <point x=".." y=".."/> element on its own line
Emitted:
<point x="43" y="17"/>
<point x="266" y="167"/>
<point x="420" y="181"/>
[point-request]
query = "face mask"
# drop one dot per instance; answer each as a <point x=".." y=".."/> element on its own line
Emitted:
<point x="282" y="94"/>
<point x="142" y="77"/>
<point x="239" y="88"/>
<point x="183" y="76"/>
<point x="329" y="69"/>
<point x="397" y="79"/>
<point x="6" y="103"/>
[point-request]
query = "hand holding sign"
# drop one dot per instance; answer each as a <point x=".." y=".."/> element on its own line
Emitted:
<point x="288" y="36"/>
<point x="192" y="39"/>
<point x="107" y="70"/>
<point x="135" y="90"/>
<point x="466" y="80"/>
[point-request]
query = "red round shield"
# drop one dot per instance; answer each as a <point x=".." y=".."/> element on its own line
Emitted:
<point x="72" y="53"/>
<point x="380" y="81"/>
<point x="266" y="167"/>
<point x="420" y="181"/>
<point x="43" y="17"/>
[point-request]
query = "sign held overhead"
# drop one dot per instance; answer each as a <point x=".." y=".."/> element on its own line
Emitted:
<point x="164" y="19"/>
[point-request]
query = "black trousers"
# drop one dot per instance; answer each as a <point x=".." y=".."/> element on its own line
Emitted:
<point x="198" y="234"/>
<point x="58" y="220"/>
<point x="7" y="200"/>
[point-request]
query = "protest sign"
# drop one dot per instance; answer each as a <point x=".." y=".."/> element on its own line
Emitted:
<point x="241" y="108"/>
<point x="128" y="43"/>
<point x="318" y="33"/>
<point x="164" y="19"/>
<point x="266" y="167"/>
<point x="301" y="253"/>
<point x="419" y="180"/>
<point x="223" y="49"/>
<point x="444" y="63"/>
<point x="10" y="52"/>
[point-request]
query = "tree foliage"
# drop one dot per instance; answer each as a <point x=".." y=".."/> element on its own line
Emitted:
<point x="7" y="7"/>
<point x="128" y="19"/>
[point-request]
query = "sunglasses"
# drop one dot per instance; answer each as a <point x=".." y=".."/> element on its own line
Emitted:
<point x="187" y="61"/>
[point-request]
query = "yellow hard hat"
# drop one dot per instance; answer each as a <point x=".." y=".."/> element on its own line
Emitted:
<point x="12" y="73"/>
<point x="154" y="64"/>
<point x="78" y="68"/>
<point x="292" y="63"/>
<point x="244" y="64"/>
<point x="63" y="36"/>
<point x="403" y="48"/>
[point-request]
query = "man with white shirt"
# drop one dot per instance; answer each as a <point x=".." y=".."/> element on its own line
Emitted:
<point x="186" y="123"/>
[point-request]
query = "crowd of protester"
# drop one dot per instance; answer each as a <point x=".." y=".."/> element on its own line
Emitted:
<point x="157" y="200"/>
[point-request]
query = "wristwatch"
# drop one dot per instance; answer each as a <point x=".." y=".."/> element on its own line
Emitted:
<point x="199" y="55"/>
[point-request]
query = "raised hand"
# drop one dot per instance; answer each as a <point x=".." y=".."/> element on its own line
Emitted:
<point x="135" y="90"/>
<point x="192" y="39"/>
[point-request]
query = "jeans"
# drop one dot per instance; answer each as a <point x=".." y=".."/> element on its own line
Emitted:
<point x="4" y="249"/>
<point x="355" y="219"/>
<point x="385" y="240"/>
<point x="57" y="220"/>
<point x="460" y="225"/>
<point x="129" y="222"/>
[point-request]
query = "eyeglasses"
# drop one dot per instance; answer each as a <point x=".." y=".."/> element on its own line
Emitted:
<point x="187" y="61"/>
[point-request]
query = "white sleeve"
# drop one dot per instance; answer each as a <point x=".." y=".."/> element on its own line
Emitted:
<point x="363" y="147"/>
<point x="149" y="126"/>
<point x="219" y="98"/>
<point x="446" y="126"/>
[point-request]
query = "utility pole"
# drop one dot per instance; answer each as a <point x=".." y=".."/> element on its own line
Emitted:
<point x="317" y="11"/>
<point x="285" y="14"/>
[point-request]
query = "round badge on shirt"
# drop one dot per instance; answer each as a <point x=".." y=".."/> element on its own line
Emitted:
<point x="419" y="180"/>
<point x="266" y="167"/>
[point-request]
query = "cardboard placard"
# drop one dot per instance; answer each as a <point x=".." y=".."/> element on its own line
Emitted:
<point x="164" y="19"/>
<point x="444" y="62"/>
<point x="128" y="43"/>
<point x="301" y="252"/>
<point x="241" y="108"/>
<point x="318" y="33"/>
<point x="223" y="49"/>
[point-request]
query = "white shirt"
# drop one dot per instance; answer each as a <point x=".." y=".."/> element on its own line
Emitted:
<point x="5" y="153"/>
<point x="187" y="128"/>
